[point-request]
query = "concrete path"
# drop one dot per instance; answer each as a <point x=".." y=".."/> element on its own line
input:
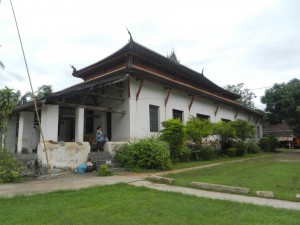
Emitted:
<point x="67" y="181"/>
<point x="222" y="196"/>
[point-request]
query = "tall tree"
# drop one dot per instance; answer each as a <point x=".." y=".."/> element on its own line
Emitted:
<point x="283" y="103"/>
<point x="42" y="92"/>
<point x="247" y="96"/>
<point x="8" y="101"/>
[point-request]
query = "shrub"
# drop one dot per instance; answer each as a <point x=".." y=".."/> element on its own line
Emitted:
<point x="231" y="152"/>
<point x="148" y="153"/>
<point x="207" y="152"/>
<point x="196" y="130"/>
<point x="104" y="171"/>
<point x="253" y="148"/>
<point x="243" y="129"/>
<point x="185" y="155"/>
<point x="10" y="168"/>
<point x="174" y="134"/>
<point x="241" y="148"/>
<point x="268" y="144"/>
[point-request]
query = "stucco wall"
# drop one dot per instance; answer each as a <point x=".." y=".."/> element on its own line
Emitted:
<point x="155" y="94"/>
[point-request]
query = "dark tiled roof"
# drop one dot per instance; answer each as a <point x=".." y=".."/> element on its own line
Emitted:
<point x="160" y="61"/>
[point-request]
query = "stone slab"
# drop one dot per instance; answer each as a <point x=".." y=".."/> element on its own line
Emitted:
<point x="219" y="188"/>
<point x="160" y="179"/>
<point x="265" y="194"/>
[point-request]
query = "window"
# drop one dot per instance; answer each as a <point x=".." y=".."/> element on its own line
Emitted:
<point x="225" y="120"/>
<point x="202" y="116"/>
<point x="153" y="116"/>
<point x="178" y="114"/>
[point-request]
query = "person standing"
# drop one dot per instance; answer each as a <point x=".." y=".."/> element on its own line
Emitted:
<point x="99" y="137"/>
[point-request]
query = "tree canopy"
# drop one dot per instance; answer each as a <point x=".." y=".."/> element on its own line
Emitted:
<point x="247" y="96"/>
<point x="283" y="103"/>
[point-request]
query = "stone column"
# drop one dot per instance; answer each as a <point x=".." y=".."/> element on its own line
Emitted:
<point x="49" y="122"/>
<point x="26" y="123"/>
<point x="79" y="124"/>
<point x="11" y="134"/>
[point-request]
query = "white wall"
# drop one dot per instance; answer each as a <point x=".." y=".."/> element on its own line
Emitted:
<point x="49" y="122"/>
<point x="155" y="94"/>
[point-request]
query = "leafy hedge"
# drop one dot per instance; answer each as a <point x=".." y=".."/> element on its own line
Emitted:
<point x="148" y="153"/>
<point x="10" y="168"/>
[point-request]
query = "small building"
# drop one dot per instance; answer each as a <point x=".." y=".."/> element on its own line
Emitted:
<point x="129" y="93"/>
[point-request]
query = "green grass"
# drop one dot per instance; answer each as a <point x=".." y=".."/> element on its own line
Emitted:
<point x="276" y="172"/>
<point x="124" y="204"/>
<point x="182" y="165"/>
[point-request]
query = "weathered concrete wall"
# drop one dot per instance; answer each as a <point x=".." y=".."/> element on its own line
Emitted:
<point x="64" y="154"/>
<point x="112" y="147"/>
<point x="31" y="166"/>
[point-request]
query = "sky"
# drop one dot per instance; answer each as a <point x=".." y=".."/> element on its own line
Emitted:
<point x="255" y="42"/>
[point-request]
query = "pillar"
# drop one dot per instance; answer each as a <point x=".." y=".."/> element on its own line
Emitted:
<point x="11" y="134"/>
<point x="79" y="124"/>
<point x="26" y="123"/>
<point x="49" y="122"/>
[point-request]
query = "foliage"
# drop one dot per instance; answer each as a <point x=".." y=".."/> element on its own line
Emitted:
<point x="148" y="153"/>
<point x="104" y="171"/>
<point x="247" y="96"/>
<point x="243" y="129"/>
<point x="42" y="92"/>
<point x="231" y="152"/>
<point x="174" y="134"/>
<point x="196" y="130"/>
<point x="8" y="101"/>
<point x="283" y="103"/>
<point x="207" y="152"/>
<point x="225" y="132"/>
<point x="253" y="148"/>
<point x="268" y="144"/>
<point x="10" y="168"/>
<point x="241" y="148"/>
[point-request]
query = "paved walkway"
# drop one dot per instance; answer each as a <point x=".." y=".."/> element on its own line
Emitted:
<point x="71" y="181"/>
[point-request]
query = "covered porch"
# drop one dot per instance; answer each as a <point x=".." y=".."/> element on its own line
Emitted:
<point x="68" y="121"/>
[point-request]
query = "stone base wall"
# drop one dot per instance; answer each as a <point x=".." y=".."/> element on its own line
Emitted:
<point x="63" y="154"/>
<point x="31" y="165"/>
<point x="112" y="147"/>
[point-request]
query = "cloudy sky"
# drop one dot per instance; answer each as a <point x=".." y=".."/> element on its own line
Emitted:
<point x="256" y="42"/>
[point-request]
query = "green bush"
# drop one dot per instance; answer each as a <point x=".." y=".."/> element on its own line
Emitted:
<point x="253" y="148"/>
<point x="185" y="155"/>
<point x="207" y="152"/>
<point x="174" y="134"/>
<point x="148" y="153"/>
<point x="268" y="144"/>
<point x="241" y="148"/>
<point x="231" y="152"/>
<point x="10" y="168"/>
<point x="104" y="171"/>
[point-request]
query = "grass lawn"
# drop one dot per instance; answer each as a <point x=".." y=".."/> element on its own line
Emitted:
<point x="182" y="165"/>
<point x="124" y="204"/>
<point x="278" y="173"/>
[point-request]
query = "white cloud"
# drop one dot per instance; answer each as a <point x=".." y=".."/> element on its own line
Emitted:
<point x="254" y="42"/>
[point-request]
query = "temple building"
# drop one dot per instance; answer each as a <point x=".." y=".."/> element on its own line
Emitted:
<point x="129" y="93"/>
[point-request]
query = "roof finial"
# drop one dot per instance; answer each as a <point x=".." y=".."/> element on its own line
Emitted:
<point x="202" y="71"/>
<point x="74" y="69"/>
<point x="130" y="40"/>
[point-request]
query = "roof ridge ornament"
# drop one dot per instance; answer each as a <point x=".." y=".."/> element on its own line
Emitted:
<point x="172" y="57"/>
<point x="130" y="40"/>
